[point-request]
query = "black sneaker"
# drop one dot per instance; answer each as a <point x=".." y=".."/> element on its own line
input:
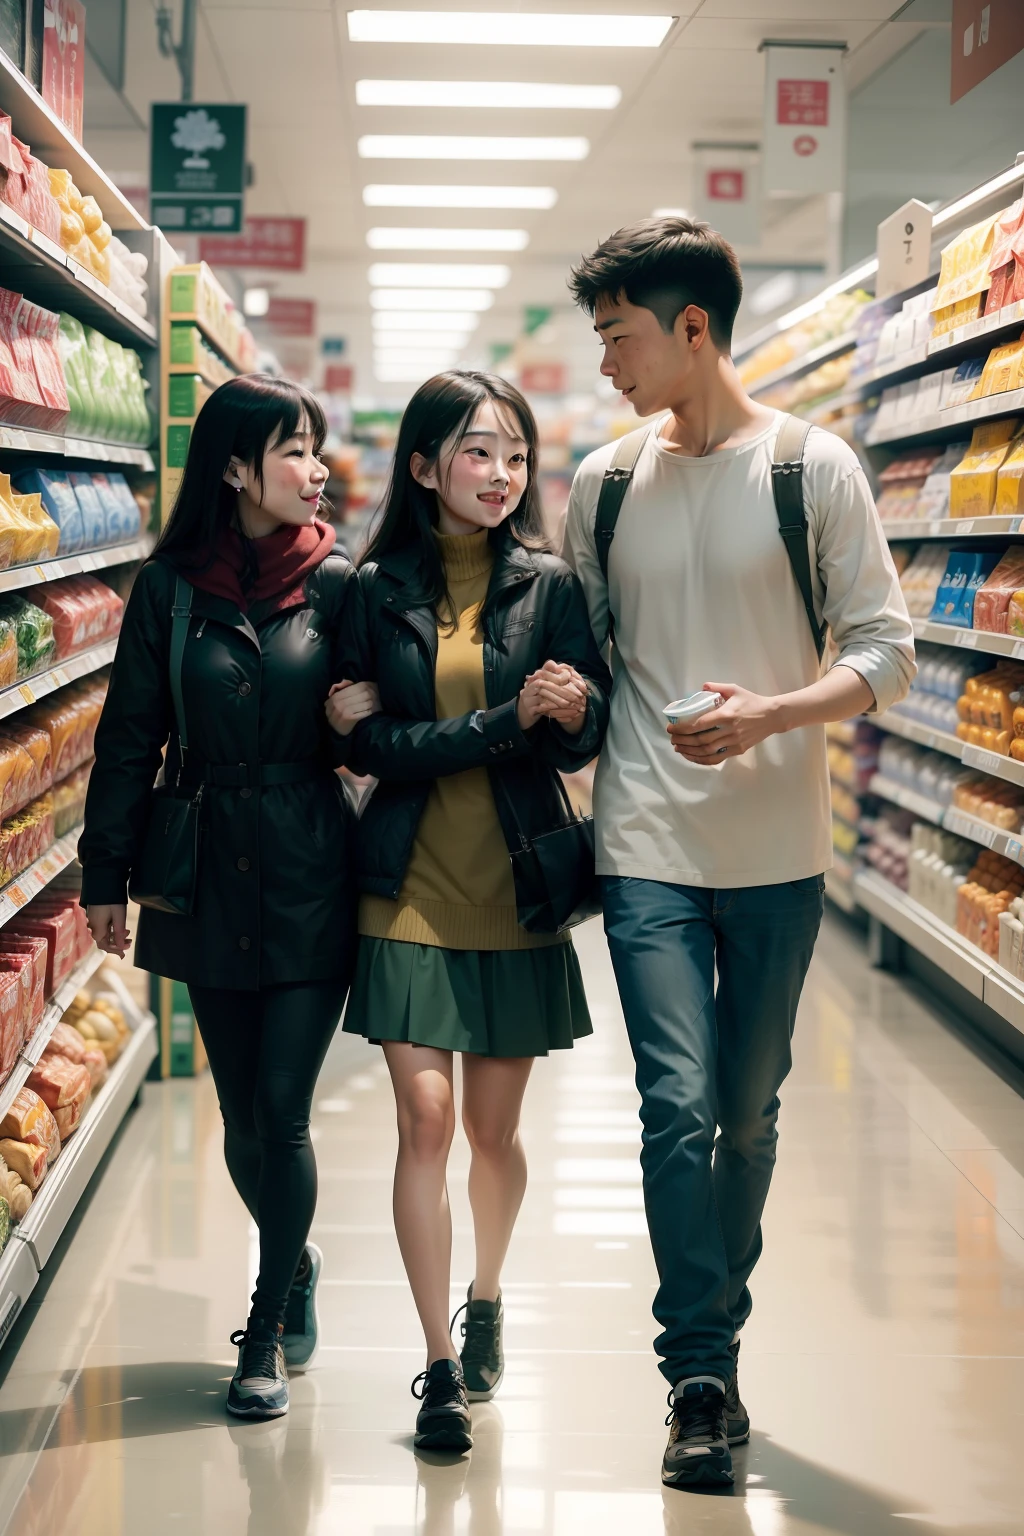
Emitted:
<point x="301" y="1341"/>
<point x="443" y="1423"/>
<point x="736" y="1416"/>
<point x="259" y="1387"/>
<point x="483" y="1362"/>
<point x="698" y="1441"/>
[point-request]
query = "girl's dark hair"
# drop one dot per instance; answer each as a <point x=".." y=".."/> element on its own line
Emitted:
<point x="241" y="420"/>
<point x="440" y="411"/>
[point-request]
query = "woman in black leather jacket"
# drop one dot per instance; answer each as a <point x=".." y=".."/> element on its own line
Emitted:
<point x="478" y="641"/>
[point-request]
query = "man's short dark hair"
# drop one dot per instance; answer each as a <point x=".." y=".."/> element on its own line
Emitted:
<point x="663" y="265"/>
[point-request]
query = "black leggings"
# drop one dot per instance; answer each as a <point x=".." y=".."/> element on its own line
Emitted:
<point x="266" y="1050"/>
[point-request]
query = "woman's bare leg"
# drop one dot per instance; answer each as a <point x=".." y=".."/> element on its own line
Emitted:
<point x="492" y="1099"/>
<point x="424" y="1097"/>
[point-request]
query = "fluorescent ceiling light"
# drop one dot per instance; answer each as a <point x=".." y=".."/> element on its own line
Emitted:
<point x="670" y="213"/>
<point x="416" y="341"/>
<point x="380" y="196"/>
<point x="477" y="299"/>
<point x="505" y="29"/>
<point x="447" y="239"/>
<point x="486" y="93"/>
<point x="445" y="323"/>
<point x="425" y="274"/>
<point x="445" y="146"/>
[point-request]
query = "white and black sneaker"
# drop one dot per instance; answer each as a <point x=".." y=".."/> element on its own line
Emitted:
<point x="698" y="1440"/>
<point x="736" y="1416"/>
<point x="301" y="1340"/>
<point x="259" y="1387"/>
<point x="443" y="1422"/>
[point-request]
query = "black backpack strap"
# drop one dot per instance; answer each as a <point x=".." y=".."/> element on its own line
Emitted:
<point x="613" y="490"/>
<point x="180" y="615"/>
<point x="788" y="491"/>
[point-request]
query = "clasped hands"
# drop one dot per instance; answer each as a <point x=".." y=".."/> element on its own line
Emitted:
<point x="556" y="691"/>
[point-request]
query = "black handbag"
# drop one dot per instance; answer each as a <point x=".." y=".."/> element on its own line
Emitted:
<point x="167" y="871"/>
<point x="553" y="873"/>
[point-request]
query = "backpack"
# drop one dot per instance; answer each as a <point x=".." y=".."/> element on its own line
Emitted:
<point x="787" y="490"/>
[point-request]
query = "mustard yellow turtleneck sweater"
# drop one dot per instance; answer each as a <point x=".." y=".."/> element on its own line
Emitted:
<point x="458" y="891"/>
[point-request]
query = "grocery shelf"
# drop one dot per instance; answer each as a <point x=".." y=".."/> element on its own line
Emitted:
<point x="799" y="366"/>
<point x="19" y="576"/>
<point x="41" y="683"/>
<point x="839" y="890"/>
<point x="28" y="440"/>
<point x="65" y="1183"/>
<point x="31" y="881"/>
<point x="35" y="266"/>
<point x="990" y="328"/>
<point x="994" y="763"/>
<point x="970" y="639"/>
<point x="943" y="351"/>
<point x="951" y="528"/>
<point x="19" y="1275"/>
<point x="950" y="818"/>
<point x="34" y="1048"/>
<point x="911" y="730"/>
<point x="209" y="335"/>
<point x="949" y="422"/>
<point x="906" y="799"/>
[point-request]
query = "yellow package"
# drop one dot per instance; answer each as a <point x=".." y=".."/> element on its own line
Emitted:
<point x="1009" y="500"/>
<point x="66" y="196"/>
<point x="963" y="272"/>
<point x="31" y="505"/>
<point x="1004" y="369"/>
<point x="972" y="484"/>
<point x="8" y="537"/>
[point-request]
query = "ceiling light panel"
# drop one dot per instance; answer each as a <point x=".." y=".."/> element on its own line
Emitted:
<point x="416" y="357"/>
<point x="444" y="326"/>
<point x="532" y="97"/>
<point x="425" y="274"/>
<point x="381" y="196"/>
<point x="402" y="373"/>
<point x="507" y="29"/>
<point x="476" y="299"/>
<point x="455" y="146"/>
<point x="447" y="239"/>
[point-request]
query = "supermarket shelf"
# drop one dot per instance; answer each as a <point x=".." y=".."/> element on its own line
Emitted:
<point x="805" y="364"/>
<point x="69" y="671"/>
<point x="943" y="351"/>
<point x="18" y="1278"/>
<point x="949" y="817"/>
<point x="65" y="1184"/>
<point x="969" y="639"/>
<point x="38" y="268"/>
<point x="899" y="725"/>
<point x="906" y="799"/>
<point x="27" y="440"/>
<point x="34" y="1048"/>
<point x="839" y="890"/>
<point x="55" y="144"/>
<point x="176" y="317"/>
<point x="950" y="422"/>
<point x="983" y="977"/>
<point x="31" y="881"/>
<point x="19" y="576"/>
<point x="994" y="763"/>
<point x="973" y="528"/>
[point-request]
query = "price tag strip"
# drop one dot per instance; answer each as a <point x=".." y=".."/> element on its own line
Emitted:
<point x="21" y="694"/>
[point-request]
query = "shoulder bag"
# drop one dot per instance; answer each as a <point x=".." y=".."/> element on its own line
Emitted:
<point x="553" y="873"/>
<point x="167" y="870"/>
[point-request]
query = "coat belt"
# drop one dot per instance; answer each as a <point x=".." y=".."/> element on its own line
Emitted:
<point x="254" y="775"/>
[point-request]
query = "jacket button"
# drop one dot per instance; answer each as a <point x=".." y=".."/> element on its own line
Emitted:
<point x="243" y="865"/>
<point x="245" y="689"/>
<point x="245" y="793"/>
<point x="243" y="943"/>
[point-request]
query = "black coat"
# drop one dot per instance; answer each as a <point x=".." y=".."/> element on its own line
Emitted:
<point x="534" y="612"/>
<point x="276" y="895"/>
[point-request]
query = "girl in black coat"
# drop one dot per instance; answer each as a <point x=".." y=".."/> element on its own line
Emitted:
<point x="478" y="640"/>
<point x="267" y="954"/>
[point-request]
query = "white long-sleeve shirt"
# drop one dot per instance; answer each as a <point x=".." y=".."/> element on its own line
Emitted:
<point x="702" y="590"/>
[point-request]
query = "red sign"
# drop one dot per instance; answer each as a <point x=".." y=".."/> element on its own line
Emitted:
<point x="727" y="186"/>
<point x="279" y="244"/>
<point x="63" y="61"/>
<point x="290" y="317"/>
<point x="338" y="378"/>
<point x="804" y="144"/>
<point x="802" y="101"/>
<point x="543" y="378"/>
<point x="985" y="35"/>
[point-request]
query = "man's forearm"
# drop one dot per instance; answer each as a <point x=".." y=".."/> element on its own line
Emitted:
<point x="842" y="692"/>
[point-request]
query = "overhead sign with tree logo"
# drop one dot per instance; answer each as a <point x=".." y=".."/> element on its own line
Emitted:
<point x="197" y="167"/>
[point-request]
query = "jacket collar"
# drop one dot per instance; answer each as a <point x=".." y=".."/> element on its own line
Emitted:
<point x="512" y="565"/>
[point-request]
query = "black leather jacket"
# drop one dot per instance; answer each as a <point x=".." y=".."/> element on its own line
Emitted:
<point x="534" y="612"/>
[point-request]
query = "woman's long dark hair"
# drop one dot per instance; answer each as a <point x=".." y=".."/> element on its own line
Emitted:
<point x="241" y="420"/>
<point x="442" y="411"/>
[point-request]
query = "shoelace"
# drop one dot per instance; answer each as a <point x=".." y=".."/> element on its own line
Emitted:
<point x="696" y="1415"/>
<point x="259" y="1356"/>
<point x="440" y="1391"/>
<point x="479" y="1345"/>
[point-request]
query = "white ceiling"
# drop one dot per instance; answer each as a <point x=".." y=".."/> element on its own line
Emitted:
<point x="295" y="67"/>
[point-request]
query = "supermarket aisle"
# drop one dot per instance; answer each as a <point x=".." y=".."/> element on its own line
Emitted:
<point x="883" y="1365"/>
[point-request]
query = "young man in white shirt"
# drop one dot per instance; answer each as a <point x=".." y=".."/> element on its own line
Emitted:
<point x="712" y="836"/>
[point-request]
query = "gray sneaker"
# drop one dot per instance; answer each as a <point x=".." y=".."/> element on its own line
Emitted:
<point x="736" y="1416"/>
<point x="483" y="1361"/>
<point x="698" y="1440"/>
<point x="259" y="1387"/>
<point x="301" y="1339"/>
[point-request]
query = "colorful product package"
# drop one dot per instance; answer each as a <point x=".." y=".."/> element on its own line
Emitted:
<point x="26" y="765"/>
<point x="26" y="836"/>
<point x="94" y="520"/>
<point x="59" y="1081"/>
<point x="69" y="799"/>
<point x="35" y="536"/>
<point x="131" y="515"/>
<point x="60" y="930"/>
<point x="966" y="572"/>
<point x="34" y="1002"/>
<point x="59" y="501"/>
<point x="902" y="482"/>
<point x="966" y="381"/>
<point x="1009" y="500"/>
<point x="972" y="484"/>
<point x="24" y="1159"/>
<point x="993" y="601"/>
<point x="35" y="949"/>
<point x="1003" y="370"/>
<point x="34" y="629"/>
<point x="12" y="1034"/>
<point x="1006" y="252"/>
<point x="30" y="1120"/>
<point x="41" y="327"/>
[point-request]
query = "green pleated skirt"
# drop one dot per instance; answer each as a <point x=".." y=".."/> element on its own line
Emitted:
<point x="502" y="1002"/>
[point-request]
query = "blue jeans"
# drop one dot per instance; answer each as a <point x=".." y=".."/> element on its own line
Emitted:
<point x="707" y="1059"/>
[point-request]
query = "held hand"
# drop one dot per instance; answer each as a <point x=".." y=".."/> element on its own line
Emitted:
<point x="744" y="720"/>
<point x="348" y="703"/>
<point x="109" y="928"/>
<point x="556" y="691"/>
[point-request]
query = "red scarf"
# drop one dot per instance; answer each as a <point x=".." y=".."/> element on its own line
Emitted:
<point x="285" y="557"/>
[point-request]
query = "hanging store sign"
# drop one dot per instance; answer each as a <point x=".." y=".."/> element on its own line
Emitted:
<point x="63" y="62"/>
<point x="543" y="378"/>
<point x="276" y="244"/>
<point x="332" y="346"/>
<point x="290" y="317"/>
<point x="338" y="378"/>
<point x="985" y="35"/>
<point x="804" y="117"/>
<point x="197" y="167"/>
<point x="904" y="249"/>
<point x="727" y="186"/>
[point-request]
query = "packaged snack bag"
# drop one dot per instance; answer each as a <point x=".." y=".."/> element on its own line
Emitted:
<point x="26" y="1160"/>
<point x="26" y="770"/>
<point x="24" y="404"/>
<point x="131" y="515"/>
<point x="43" y="327"/>
<point x="1001" y="259"/>
<point x="94" y="522"/>
<point x="963" y="272"/>
<point x="993" y="600"/>
<point x="72" y="228"/>
<point x="8" y="654"/>
<point x="73" y="351"/>
<point x="972" y="484"/>
<point x="33" y="1001"/>
<point x="59" y="929"/>
<point x="902" y="482"/>
<point x="59" y="1081"/>
<point x="35" y="949"/>
<point x="966" y="572"/>
<point x="59" y="502"/>
<point x="12" y="1032"/>
<point x="1002" y="370"/>
<point x="34" y="630"/>
<point x="35" y="534"/>
<point x="104" y="386"/>
<point x="31" y="1121"/>
<point x="1009" y="500"/>
<point x="966" y="380"/>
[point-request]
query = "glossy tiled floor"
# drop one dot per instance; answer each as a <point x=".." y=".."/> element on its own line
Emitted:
<point x="883" y="1366"/>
